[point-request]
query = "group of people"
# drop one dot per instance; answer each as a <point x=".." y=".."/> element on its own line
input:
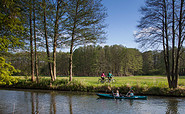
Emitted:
<point x="129" y="94"/>
<point x="109" y="76"/>
<point x="117" y="94"/>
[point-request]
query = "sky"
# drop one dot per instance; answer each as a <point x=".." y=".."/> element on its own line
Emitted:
<point x="122" y="20"/>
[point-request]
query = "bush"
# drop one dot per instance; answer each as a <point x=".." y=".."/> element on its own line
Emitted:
<point x="6" y="70"/>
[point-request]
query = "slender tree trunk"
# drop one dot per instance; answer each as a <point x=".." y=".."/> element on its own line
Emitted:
<point x="31" y="44"/>
<point x="71" y="60"/>
<point x="47" y="46"/>
<point x="55" y="41"/>
<point x="173" y="74"/>
<point x="35" y="40"/>
<point x="166" y="45"/>
<point x="179" y="45"/>
<point x="72" y="44"/>
<point x="173" y="41"/>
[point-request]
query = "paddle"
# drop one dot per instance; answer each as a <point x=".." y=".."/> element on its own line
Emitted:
<point x="113" y="94"/>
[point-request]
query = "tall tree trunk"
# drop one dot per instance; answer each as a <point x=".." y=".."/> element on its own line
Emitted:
<point x="31" y="44"/>
<point x="179" y="45"/>
<point x="173" y="41"/>
<point x="55" y="41"/>
<point x="35" y="40"/>
<point x="72" y="44"/>
<point x="71" y="61"/>
<point x="71" y="53"/>
<point x="47" y="46"/>
<point x="166" y="45"/>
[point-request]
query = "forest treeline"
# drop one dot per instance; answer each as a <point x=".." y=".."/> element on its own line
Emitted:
<point x="93" y="60"/>
<point x="49" y="25"/>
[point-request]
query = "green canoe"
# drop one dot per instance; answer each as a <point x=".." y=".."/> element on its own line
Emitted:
<point x="122" y="97"/>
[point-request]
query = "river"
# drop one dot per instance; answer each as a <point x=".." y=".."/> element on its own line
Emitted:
<point x="59" y="102"/>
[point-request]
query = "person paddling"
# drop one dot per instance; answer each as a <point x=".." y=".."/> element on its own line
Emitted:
<point x="117" y="93"/>
<point x="130" y="93"/>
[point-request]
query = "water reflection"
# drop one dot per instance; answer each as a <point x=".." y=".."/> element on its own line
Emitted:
<point x="172" y="106"/>
<point x="32" y="102"/>
<point x="35" y="103"/>
<point x="53" y="104"/>
<point x="70" y="105"/>
<point x="47" y="102"/>
<point x="37" y="108"/>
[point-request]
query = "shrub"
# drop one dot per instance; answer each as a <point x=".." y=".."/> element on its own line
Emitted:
<point x="6" y="70"/>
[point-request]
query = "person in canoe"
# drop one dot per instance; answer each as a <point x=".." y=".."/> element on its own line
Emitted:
<point x="117" y="93"/>
<point x="103" y="76"/>
<point x="130" y="93"/>
<point x="109" y="76"/>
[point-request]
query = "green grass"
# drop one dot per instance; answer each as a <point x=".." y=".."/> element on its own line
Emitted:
<point x="129" y="81"/>
<point x="147" y="85"/>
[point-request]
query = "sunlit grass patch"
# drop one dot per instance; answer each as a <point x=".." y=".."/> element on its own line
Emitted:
<point x="153" y="85"/>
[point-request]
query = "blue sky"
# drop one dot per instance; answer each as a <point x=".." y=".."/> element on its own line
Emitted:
<point x="123" y="17"/>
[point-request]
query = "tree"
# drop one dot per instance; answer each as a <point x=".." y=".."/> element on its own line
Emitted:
<point x="117" y="57"/>
<point x="132" y="62"/>
<point x="35" y="41"/>
<point x="84" y="24"/>
<point x="62" y="63"/>
<point x="58" y="29"/>
<point x="44" y="5"/>
<point x="20" y="61"/>
<point x="31" y="41"/>
<point x="162" y="25"/>
<point x="148" y="62"/>
<point x="6" y="70"/>
<point x="11" y="30"/>
<point x="11" y="27"/>
<point x="55" y="40"/>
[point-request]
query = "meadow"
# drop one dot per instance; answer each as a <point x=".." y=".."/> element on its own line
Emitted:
<point x="150" y="81"/>
<point x="142" y="85"/>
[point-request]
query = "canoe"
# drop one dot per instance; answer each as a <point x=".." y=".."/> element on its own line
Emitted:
<point x="121" y="97"/>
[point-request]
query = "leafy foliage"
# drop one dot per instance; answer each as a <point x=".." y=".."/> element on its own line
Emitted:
<point x="6" y="70"/>
<point x="93" y="60"/>
<point x="11" y="29"/>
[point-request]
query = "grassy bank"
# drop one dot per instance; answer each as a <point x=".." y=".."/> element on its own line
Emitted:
<point x="142" y="85"/>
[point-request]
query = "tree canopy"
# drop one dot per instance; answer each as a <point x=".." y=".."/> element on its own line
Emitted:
<point x="11" y="25"/>
<point x="162" y="25"/>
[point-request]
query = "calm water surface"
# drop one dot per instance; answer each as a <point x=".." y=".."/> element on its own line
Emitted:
<point x="49" y="102"/>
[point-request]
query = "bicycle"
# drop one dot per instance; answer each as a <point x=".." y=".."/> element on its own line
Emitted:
<point x="111" y="80"/>
<point x="102" y="81"/>
<point x="107" y="80"/>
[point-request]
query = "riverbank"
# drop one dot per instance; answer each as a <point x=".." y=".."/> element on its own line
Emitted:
<point x="142" y="85"/>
